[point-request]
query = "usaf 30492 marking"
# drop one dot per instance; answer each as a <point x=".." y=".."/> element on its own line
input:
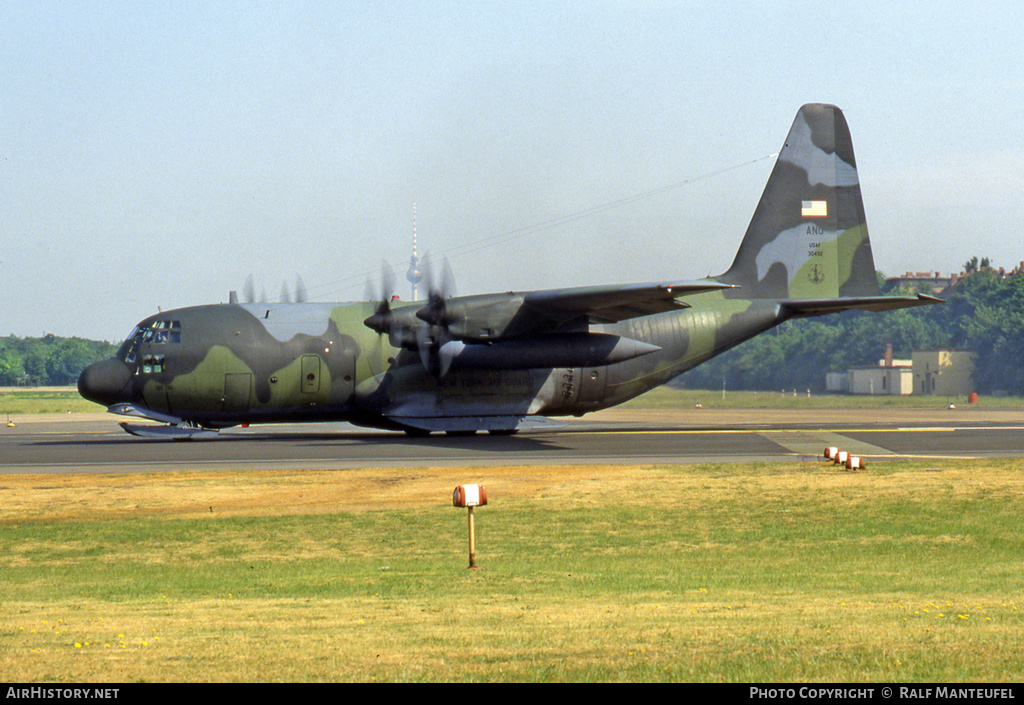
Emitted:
<point x="503" y="362"/>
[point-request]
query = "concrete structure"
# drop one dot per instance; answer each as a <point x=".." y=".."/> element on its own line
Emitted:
<point x="882" y="380"/>
<point x="837" y="382"/>
<point x="889" y="376"/>
<point x="947" y="373"/>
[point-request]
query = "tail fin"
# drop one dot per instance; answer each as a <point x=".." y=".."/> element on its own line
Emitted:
<point x="808" y="238"/>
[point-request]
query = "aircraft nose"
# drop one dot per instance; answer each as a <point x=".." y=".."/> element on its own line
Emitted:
<point x="103" y="381"/>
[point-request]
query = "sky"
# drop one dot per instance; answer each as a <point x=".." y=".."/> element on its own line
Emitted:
<point x="155" y="155"/>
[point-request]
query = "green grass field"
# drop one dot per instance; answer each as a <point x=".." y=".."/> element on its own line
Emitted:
<point x="796" y="572"/>
<point x="43" y="400"/>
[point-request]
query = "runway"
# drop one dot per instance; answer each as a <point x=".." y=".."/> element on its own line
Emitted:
<point x="95" y="444"/>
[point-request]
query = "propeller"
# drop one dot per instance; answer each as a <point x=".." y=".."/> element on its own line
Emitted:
<point x="249" y="292"/>
<point x="431" y="339"/>
<point x="300" y="291"/>
<point x="436" y="311"/>
<point x="383" y="319"/>
<point x="427" y="333"/>
<point x="300" y="296"/>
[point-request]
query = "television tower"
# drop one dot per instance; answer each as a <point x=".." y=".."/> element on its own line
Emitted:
<point x="414" y="275"/>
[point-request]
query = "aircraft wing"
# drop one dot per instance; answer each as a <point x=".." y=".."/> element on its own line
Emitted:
<point x="609" y="304"/>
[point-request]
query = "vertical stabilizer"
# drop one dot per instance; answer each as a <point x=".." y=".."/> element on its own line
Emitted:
<point x="808" y="238"/>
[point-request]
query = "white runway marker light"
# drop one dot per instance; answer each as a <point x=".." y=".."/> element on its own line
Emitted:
<point x="470" y="496"/>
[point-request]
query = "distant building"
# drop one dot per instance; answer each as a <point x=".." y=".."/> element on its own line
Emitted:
<point x="936" y="284"/>
<point x="946" y="373"/>
<point x="837" y="382"/>
<point x="925" y="282"/>
<point x="889" y="376"/>
<point x="882" y="380"/>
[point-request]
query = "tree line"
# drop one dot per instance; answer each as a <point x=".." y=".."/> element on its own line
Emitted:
<point x="983" y="313"/>
<point x="48" y="361"/>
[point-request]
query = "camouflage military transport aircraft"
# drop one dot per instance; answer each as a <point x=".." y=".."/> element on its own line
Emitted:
<point x="504" y="362"/>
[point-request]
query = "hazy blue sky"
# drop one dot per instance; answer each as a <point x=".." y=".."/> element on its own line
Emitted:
<point x="154" y="154"/>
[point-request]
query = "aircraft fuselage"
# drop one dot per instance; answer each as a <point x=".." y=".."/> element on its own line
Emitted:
<point x="227" y="364"/>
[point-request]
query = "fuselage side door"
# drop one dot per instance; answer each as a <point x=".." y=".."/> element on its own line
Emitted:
<point x="310" y="374"/>
<point x="237" y="390"/>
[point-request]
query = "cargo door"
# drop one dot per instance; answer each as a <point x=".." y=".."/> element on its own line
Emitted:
<point x="237" y="388"/>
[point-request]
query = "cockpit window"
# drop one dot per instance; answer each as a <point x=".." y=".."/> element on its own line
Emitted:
<point x="167" y="332"/>
<point x="153" y="364"/>
<point x="128" y="344"/>
<point x="154" y="333"/>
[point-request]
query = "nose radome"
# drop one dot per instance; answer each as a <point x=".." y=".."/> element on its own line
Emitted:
<point x="103" y="381"/>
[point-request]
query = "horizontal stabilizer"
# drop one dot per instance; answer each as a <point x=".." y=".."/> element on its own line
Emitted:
<point x="817" y="307"/>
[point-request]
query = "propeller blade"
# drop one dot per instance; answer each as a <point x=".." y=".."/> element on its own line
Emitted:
<point x="387" y="281"/>
<point x="447" y="280"/>
<point x="427" y="270"/>
<point x="436" y="311"/>
<point x="424" y="344"/>
<point x="382" y="320"/>
<point x="301" y="295"/>
<point x="249" y="292"/>
<point x="446" y="290"/>
<point x="446" y="354"/>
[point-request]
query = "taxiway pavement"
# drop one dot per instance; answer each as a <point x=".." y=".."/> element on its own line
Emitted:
<point x="93" y="443"/>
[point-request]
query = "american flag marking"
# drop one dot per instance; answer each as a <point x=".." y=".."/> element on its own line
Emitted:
<point x="813" y="209"/>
